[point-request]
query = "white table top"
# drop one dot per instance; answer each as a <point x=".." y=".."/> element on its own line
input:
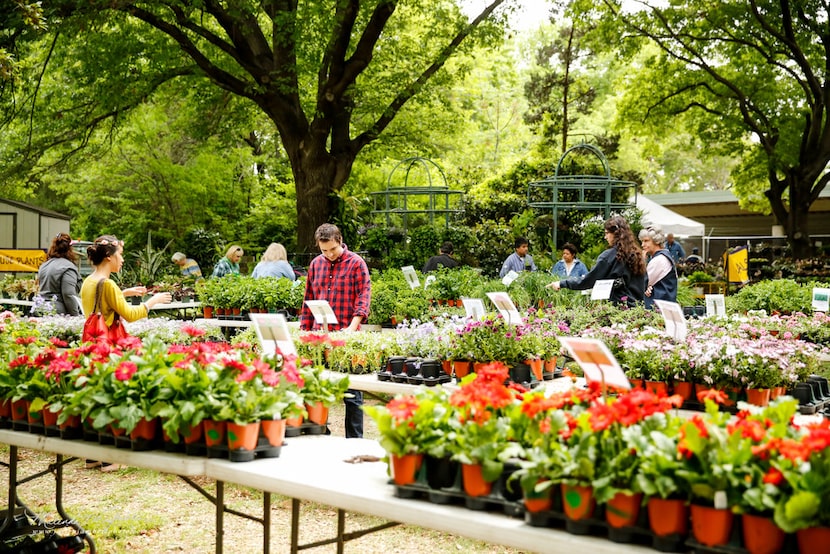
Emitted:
<point x="224" y="322"/>
<point x="16" y="302"/>
<point x="369" y="382"/>
<point x="177" y="306"/>
<point x="313" y="468"/>
<point x="156" y="460"/>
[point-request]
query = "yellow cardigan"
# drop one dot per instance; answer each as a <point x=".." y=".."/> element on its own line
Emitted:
<point x="112" y="301"/>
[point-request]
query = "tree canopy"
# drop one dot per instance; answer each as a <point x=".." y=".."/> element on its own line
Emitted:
<point x="330" y="75"/>
<point x="749" y="76"/>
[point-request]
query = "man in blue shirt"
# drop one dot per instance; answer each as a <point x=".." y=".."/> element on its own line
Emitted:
<point x="519" y="260"/>
<point x="674" y="248"/>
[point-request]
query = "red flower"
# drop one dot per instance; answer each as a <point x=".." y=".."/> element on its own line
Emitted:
<point x="58" y="343"/>
<point x="773" y="477"/>
<point x="717" y="396"/>
<point x="402" y="409"/>
<point x="25" y="340"/>
<point x="193" y="331"/>
<point x="125" y="371"/>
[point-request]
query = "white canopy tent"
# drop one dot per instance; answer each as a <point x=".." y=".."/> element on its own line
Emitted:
<point x="671" y="222"/>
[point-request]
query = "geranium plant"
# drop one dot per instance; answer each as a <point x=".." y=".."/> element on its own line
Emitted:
<point x="412" y="424"/>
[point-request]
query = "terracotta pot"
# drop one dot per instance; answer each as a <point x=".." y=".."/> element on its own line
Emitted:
<point x="294" y="421"/>
<point x="215" y="432"/>
<point x="683" y="389"/>
<point x="711" y="526"/>
<point x="20" y="410"/>
<point x="636" y="383"/>
<point x="72" y="422"/>
<point x="461" y="368"/>
<point x="115" y="430"/>
<point x="236" y="311"/>
<point x="474" y="483"/>
<point x="50" y="419"/>
<point x="446" y="365"/>
<point x="762" y="535"/>
<point x="274" y="431"/>
<point x="317" y="413"/>
<point x="145" y="429"/>
<point x="813" y="540"/>
<point x="220" y="311"/>
<point x="578" y="501"/>
<point x="405" y="468"/>
<point x="536" y="367"/>
<point x="194" y="433"/>
<point x="657" y="387"/>
<point x="243" y="437"/>
<point x="758" y="397"/>
<point x="550" y="365"/>
<point x="668" y="516"/>
<point x="5" y="408"/>
<point x="34" y="417"/>
<point x="623" y="509"/>
<point x="538" y="501"/>
<point x="782" y="391"/>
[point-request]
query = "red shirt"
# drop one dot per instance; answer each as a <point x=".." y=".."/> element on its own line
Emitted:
<point x="343" y="283"/>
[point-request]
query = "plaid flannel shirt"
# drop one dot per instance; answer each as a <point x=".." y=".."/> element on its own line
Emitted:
<point x="343" y="283"/>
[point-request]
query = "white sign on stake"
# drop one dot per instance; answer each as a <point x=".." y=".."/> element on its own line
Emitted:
<point x="821" y="299"/>
<point x="411" y="277"/>
<point x="322" y="312"/>
<point x="602" y="289"/>
<point x="474" y="307"/>
<point x="509" y="278"/>
<point x="429" y="280"/>
<point x="272" y="331"/>
<point x="505" y="307"/>
<point x="715" y="305"/>
<point x="673" y="317"/>
<point x="596" y="361"/>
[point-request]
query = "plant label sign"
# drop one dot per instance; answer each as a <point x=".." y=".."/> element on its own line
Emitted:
<point x="273" y="334"/>
<point x="821" y="299"/>
<point x="602" y="289"/>
<point x="505" y="307"/>
<point x="674" y="319"/>
<point x="474" y="307"/>
<point x="509" y="278"/>
<point x="596" y="361"/>
<point x="715" y="305"/>
<point x="411" y="277"/>
<point x="322" y="312"/>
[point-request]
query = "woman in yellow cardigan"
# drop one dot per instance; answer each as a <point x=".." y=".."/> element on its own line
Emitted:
<point x="106" y="254"/>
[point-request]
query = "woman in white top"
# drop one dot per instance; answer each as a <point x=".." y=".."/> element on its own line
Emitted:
<point x="662" y="274"/>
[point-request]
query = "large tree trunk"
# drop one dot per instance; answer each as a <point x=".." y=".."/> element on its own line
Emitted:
<point x="797" y="224"/>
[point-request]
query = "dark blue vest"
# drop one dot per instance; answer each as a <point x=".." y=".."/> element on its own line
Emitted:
<point x="665" y="288"/>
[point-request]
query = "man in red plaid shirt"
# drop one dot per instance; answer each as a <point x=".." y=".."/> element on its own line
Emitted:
<point x="341" y="278"/>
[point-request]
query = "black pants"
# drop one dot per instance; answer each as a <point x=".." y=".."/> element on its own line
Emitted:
<point x="354" y="415"/>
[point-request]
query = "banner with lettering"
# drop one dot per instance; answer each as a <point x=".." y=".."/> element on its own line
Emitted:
<point x="23" y="261"/>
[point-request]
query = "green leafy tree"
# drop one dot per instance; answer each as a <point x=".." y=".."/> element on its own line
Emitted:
<point x="331" y="75"/>
<point x="749" y="77"/>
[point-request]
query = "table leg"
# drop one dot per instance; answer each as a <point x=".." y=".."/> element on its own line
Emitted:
<point x="220" y="515"/>
<point x="341" y="528"/>
<point x="295" y="525"/>
<point x="266" y="522"/>
<point x="12" y="496"/>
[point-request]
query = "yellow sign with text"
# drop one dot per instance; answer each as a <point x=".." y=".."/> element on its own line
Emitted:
<point x="24" y="261"/>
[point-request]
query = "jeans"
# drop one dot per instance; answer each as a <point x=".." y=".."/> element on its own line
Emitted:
<point x="354" y="415"/>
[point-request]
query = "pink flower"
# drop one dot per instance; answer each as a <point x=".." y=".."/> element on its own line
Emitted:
<point x="125" y="371"/>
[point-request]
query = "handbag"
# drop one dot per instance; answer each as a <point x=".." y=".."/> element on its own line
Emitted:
<point x="95" y="326"/>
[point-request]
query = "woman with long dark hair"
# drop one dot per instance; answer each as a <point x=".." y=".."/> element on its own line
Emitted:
<point x="623" y="262"/>
<point x="59" y="282"/>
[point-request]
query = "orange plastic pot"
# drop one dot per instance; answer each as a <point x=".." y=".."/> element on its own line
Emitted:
<point x="813" y="540"/>
<point x="5" y="408"/>
<point x="536" y="367"/>
<point x="623" y="509"/>
<point x="657" y="387"/>
<point x="317" y="413"/>
<point x="405" y="468"/>
<point x="550" y="365"/>
<point x="762" y="535"/>
<point x="683" y="389"/>
<point x="578" y="501"/>
<point x="215" y="432"/>
<point x="274" y="431"/>
<point x="538" y="501"/>
<point x="194" y="433"/>
<point x="50" y="419"/>
<point x="243" y="437"/>
<point x="668" y="516"/>
<point x="145" y="429"/>
<point x="758" y="397"/>
<point x="20" y="410"/>
<point x="461" y="368"/>
<point x="473" y="479"/>
<point x="711" y="526"/>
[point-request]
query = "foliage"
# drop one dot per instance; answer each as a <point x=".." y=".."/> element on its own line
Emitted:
<point x="414" y="424"/>
<point x="778" y="295"/>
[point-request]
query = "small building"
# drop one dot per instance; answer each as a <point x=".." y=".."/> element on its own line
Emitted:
<point x="26" y="232"/>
